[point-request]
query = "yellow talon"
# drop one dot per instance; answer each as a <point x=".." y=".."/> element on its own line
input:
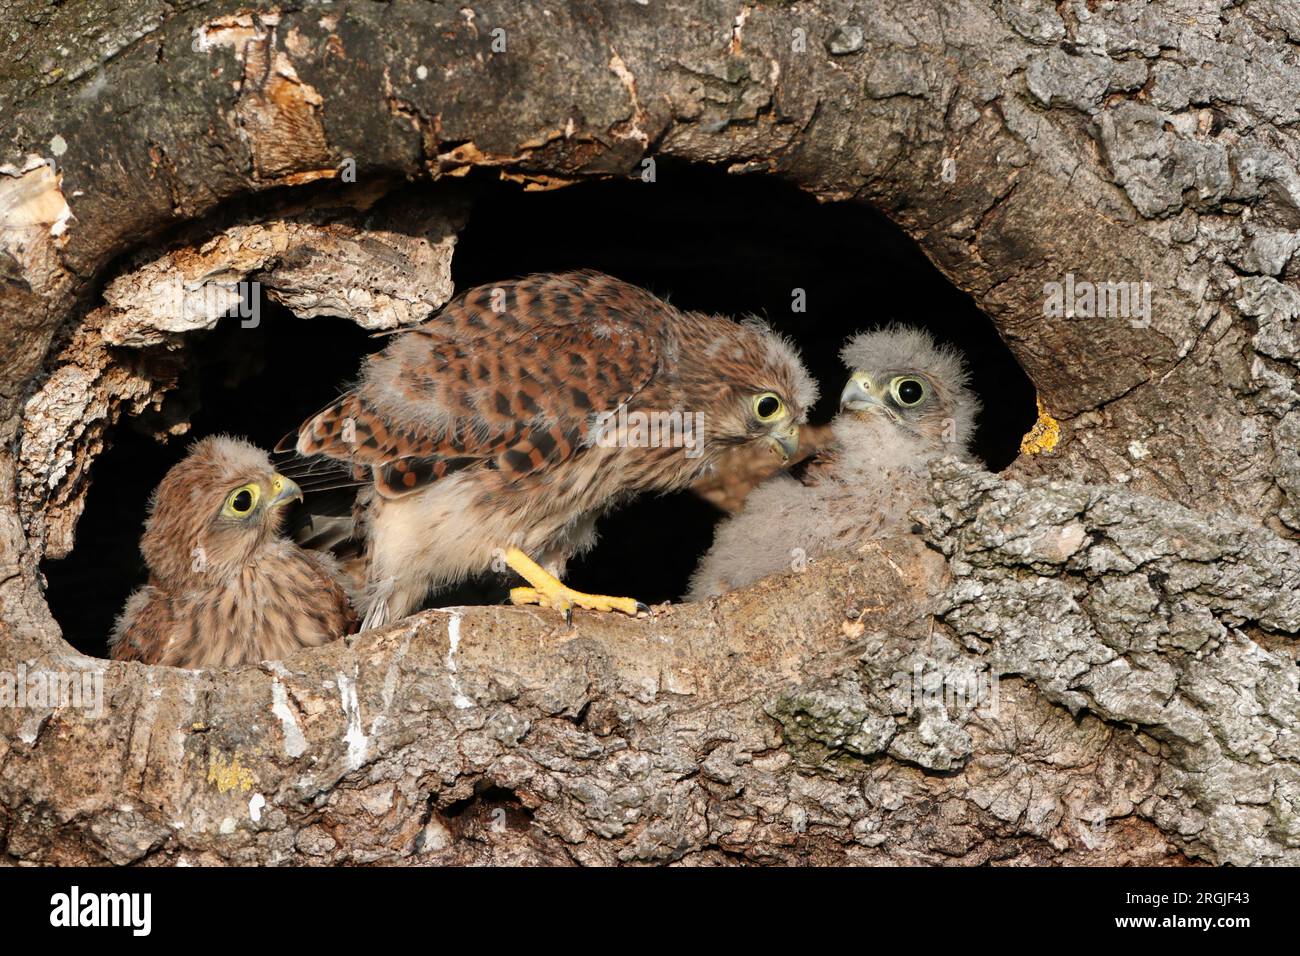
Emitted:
<point x="528" y="596"/>
<point x="548" y="591"/>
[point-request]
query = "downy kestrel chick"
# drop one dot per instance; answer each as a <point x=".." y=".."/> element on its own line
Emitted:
<point x="907" y="401"/>
<point x="226" y="588"/>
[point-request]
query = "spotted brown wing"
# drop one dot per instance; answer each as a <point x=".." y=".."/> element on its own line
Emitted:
<point x="511" y="399"/>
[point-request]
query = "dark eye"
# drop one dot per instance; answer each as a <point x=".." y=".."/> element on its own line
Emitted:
<point x="908" y="391"/>
<point x="242" y="503"/>
<point x="767" y="406"/>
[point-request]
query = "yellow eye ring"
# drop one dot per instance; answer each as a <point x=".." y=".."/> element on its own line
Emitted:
<point x="768" y="406"/>
<point x="908" y="390"/>
<point x="241" y="502"/>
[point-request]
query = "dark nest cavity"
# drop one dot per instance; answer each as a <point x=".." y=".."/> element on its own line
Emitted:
<point x="703" y="239"/>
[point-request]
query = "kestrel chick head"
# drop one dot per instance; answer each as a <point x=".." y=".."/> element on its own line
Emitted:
<point x="214" y="510"/>
<point x="756" y="386"/>
<point x="920" y="387"/>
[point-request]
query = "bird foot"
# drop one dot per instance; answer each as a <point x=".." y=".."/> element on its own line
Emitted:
<point x="566" y="599"/>
<point x="548" y="591"/>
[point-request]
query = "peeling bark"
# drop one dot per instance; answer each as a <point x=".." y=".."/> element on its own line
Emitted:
<point x="394" y="270"/>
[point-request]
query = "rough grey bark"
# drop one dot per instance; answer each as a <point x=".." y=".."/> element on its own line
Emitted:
<point x="1146" y="698"/>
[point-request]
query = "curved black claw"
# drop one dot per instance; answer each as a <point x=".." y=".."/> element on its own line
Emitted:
<point x="642" y="608"/>
<point x="568" y="616"/>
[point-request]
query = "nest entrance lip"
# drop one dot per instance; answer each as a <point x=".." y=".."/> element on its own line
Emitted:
<point x="159" y="360"/>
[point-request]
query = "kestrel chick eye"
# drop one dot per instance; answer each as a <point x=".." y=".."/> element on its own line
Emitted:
<point x="768" y="406"/>
<point x="908" y="391"/>
<point x="241" y="502"/>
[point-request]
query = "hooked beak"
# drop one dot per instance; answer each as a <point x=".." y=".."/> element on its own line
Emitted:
<point x="282" y="490"/>
<point x="857" y="395"/>
<point x="785" y="440"/>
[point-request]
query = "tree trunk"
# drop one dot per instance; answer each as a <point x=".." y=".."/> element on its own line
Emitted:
<point x="1090" y="658"/>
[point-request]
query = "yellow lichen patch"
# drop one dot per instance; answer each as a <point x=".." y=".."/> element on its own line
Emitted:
<point x="229" y="774"/>
<point x="1043" y="436"/>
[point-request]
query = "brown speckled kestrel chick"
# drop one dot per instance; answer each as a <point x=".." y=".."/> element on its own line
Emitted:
<point x="226" y="588"/>
<point x="906" y="402"/>
<point x="509" y="423"/>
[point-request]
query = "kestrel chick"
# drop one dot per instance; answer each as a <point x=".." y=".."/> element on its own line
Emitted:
<point x="226" y="588"/>
<point x="906" y="402"/>
<point x="508" y="424"/>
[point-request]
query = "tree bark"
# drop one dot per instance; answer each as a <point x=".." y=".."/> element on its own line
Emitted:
<point x="1090" y="659"/>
